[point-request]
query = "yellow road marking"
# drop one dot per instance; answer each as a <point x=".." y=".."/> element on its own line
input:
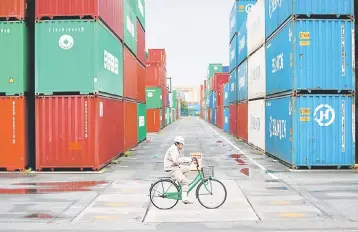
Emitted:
<point x="280" y="202"/>
<point x="107" y="217"/>
<point x="292" y="215"/>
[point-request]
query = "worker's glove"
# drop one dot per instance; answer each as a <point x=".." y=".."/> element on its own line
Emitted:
<point x="186" y="159"/>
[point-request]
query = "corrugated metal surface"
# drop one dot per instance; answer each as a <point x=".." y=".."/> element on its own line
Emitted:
<point x="140" y="11"/>
<point x="278" y="11"/>
<point x="242" y="121"/>
<point x="214" y="100"/>
<point x="206" y="117"/>
<point x="85" y="57"/>
<point x="141" y="83"/>
<point x="233" y="94"/>
<point x="110" y="11"/>
<point x="311" y="130"/>
<point x="130" y="27"/>
<point x="13" y="71"/>
<point x="242" y="82"/>
<point x="142" y="128"/>
<point x="157" y="55"/>
<point x="226" y="94"/>
<point x="257" y="74"/>
<point x="233" y="53"/>
<point x="140" y="43"/>
<point x="130" y="125"/>
<point x="242" y="44"/>
<point x="153" y="120"/>
<point x="227" y="120"/>
<point x="78" y="131"/>
<point x="238" y="14"/>
<point x="256" y="27"/>
<point x="209" y="115"/>
<point x="311" y="54"/>
<point x="165" y="96"/>
<point x="155" y="74"/>
<point x="256" y="123"/>
<point x="14" y="153"/>
<point x="221" y="97"/>
<point x="233" y="119"/>
<point x="219" y="79"/>
<point x="213" y="116"/>
<point x="130" y="75"/>
<point x="220" y="117"/>
<point x="154" y="97"/>
<point x="214" y="68"/>
<point x="13" y="9"/>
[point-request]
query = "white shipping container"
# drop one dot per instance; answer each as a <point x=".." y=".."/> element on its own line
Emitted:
<point x="257" y="74"/>
<point x="256" y="27"/>
<point x="256" y="123"/>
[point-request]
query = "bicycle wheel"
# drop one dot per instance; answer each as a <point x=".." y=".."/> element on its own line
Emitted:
<point x="213" y="189"/>
<point x="160" y="190"/>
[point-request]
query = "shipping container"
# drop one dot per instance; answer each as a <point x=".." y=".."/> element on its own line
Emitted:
<point x="158" y="55"/>
<point x="85" y="58"/>
<point x="256" y="27"/>
<point x="154" y="97"/>
<point x="242" y="121"/>
<point x="14" y="144"/>
<point x="154" y="123"/>
<point x="300" y="57"/>
<point x="130" y="86"/>
<point x="278" y="12"/>
<point x="13" y="9"/>
<point x="242" y="44"/>
<point x="141" y="71"/>
<point x="110" y="11"/>
<point x="130" y="27"/>
<point x="155" y="74"/>
<point x="139" y="6"/>
<point x="167" y="112"/>
<point x="174" y="98"/>
<point x="226" y="69"/>
<point x="233" y="94"/>
<point x="130" y="125"/>
<point x="233" y="119"/>
<point x="227" y="120"/>
<point x="226" y="94"/>
<point x="211" y="100"/>
<point x="142" y="122"/>
<point x="220" y="97"/>
<point x="238" y="15"/>
<point x="206" y="113"/>
<point x="214" y="68"/>
<point x="220" y="117"/>
<point x="219" y="79"/>
<point x="214" y="100"/>
<point x="78" y="131"/>
<point x="174" y="115"/>
<point x="209" y="114"/>
<point x="311" y="130"/>
<point x="162" y="118"/>
<point x="257" y="74"/>
<point x="140" y="43"/>
<point x="242" y="82"/>
<point x="165" y="96"/>
<point x="233" y="52"/>
<point x="14" y="66"/>
<point x="256" y="123"/>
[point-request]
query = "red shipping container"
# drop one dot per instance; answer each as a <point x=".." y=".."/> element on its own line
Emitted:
<point x="130" y="125"/>
<point x="219" y="79"/>
<point x="130" y="75"/>
<point x="14" y="153"/>
<point x="155" y="74"/>
<point x="220" y="117"/>
<point x="157" y="55"/>
<point x="13" y="9"/>
<point x="78" y="131"/>
<point x="141" y="82"/>
<point x="242" y="120"/>
<point x="110" y="11"/>
<point x="209" y="115"/>
<point x="153" y="120"/>
<point x="140" y="43"/>
<point x="233" y="119"/>
<point x="220" y="96"/>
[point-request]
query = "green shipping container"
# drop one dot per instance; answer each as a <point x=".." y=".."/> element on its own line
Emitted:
<point x="139" y="6"/>
<point x="77" y="56"/>
<point x="175" y="98"/>
<point x="167" y="118"/>
<point x="142" y="122"/>
<point x="170" y="116"/>
<point x="154" y="97"/>
<point x="130" y="26"/>
<point x="13" y="58"/>
<point x="214" y="68"/>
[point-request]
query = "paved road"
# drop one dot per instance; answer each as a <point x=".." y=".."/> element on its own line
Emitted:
<point x="263" y="195"/>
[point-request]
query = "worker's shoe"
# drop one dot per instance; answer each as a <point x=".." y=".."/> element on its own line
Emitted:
<point x="186" y="199"/>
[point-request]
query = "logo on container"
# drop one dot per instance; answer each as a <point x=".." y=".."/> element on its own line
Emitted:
<point x="141" y="121"/>
<point x="66" y="42"/>
<point x="110" y="62"/>
<point x="277" y="128"/>
<point x="130" y="26"/>
<point x="273" y="5"/>
<point x="255" y="123"/>
<point x="242" y="44"/>
<point x="277" y="63"/>
<point x="226" y="120"/>
<point x="241" y="82"/>
<point x="248" y="8"/>
<point x="324" y="115"/>
<point x="256" y="73"/>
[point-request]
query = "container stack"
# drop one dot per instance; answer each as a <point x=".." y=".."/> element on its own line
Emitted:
<point x="156" y="90"/>
<point x="90" y="95"/>
<point x="310" y="82"/>
<point x="212" y="69"/>
<point x="218" y="82"/>
<point x="14" y="86"/>
<point x="226" y="107"/>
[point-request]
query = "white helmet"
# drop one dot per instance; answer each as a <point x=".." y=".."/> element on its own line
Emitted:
<point x="179" y="139"/>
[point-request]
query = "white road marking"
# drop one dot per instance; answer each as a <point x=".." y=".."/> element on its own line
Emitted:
<point x="79" y="216"/>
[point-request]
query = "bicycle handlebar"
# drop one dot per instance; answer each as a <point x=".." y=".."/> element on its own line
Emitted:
<point x="193" y="159"/>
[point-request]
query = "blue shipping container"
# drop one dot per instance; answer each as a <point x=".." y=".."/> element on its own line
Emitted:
<point x="226" y="69"/>
<point x="227" y="94"/>
<point x="233" y="53"/>
<point x="311" y="54"/>
<point x="211" y="100"/>
<point x="227" y="120"/>
<point x="233" y="88"/>
<point x="311" y="130"/>
<point x="214" y="100"/>
<point x="242" y="44"/>
<point x="212" y="116"/>
<point x="238" y="15"/>
<point x="242" y="82"/>
<point x="278" y="11"/>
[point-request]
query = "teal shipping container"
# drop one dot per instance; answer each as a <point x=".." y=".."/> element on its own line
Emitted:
<point x="212" y="69"/>
<point x="142" y="122"/>
<point x="130" y="25"/>
<point x="154" y="97"/>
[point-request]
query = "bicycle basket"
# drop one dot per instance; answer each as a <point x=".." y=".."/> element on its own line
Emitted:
<point x="208" y="172"/>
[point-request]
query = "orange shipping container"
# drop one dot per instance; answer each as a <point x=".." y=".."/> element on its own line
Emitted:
<point x="141" y="83"/>
<point x="130" y="125"/>
<point x="130" y="75"/>
<point x="14" y="153"/>
<point x="153" y="120"/>
<point x="157" y="55"/>
<point x="12" y="9"/>
<point x="242" y="112"/>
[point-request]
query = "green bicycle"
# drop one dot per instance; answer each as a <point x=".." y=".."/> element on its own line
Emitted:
<point x="204" y="180"/>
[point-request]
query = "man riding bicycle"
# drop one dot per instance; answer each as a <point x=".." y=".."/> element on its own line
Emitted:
<point x="172" y="165"/>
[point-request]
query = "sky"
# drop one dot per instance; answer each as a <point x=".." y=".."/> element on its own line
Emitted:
<point x="194" y="34"/>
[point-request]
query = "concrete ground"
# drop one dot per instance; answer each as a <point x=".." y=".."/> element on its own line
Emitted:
<point x="263" y="195"/>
